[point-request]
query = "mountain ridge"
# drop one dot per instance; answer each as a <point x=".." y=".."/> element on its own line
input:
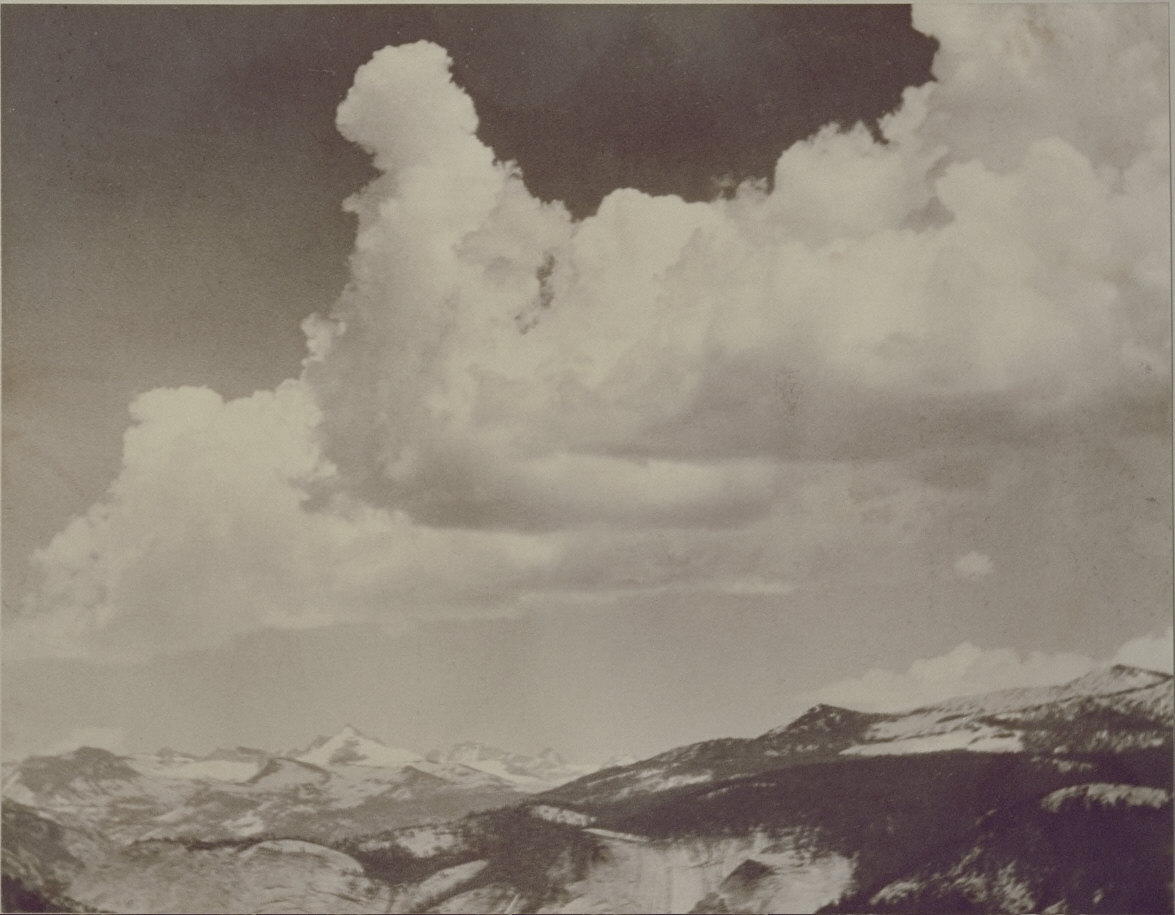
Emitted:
<point x="837" y="810"/>
<point x="997" y="721"/>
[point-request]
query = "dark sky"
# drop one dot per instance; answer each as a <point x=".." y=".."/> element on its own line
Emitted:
<point x="173" y="178"/>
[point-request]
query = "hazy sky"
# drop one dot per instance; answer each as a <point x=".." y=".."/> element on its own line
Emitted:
<point x="597" y="377"/>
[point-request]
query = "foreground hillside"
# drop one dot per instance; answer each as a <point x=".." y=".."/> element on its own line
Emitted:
<point x="1036" y="800"/>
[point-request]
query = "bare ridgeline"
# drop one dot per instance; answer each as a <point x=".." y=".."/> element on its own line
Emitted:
<point x="1050" y="799"/>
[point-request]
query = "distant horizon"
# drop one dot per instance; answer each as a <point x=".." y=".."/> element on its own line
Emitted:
<point x="330" y="733"/>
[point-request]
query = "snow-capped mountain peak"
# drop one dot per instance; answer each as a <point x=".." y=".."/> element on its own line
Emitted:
<point x="351" y="747"/>
<point x="545" y="770"/>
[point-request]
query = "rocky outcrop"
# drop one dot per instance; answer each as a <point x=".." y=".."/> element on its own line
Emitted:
<point x="756" y="873"/>
<point x="272" y="876"/>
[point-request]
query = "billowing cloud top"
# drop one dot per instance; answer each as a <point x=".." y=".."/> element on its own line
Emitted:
<point x="507" y="405"/>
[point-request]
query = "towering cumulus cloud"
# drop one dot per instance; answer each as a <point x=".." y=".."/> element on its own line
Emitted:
<point x="854" y="372"/>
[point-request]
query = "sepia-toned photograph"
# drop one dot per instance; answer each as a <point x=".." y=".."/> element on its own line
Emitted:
<point x="558" y="458"/>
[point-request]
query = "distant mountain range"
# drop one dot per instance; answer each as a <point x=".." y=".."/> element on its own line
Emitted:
<point x="337" y="786"/>
<point x="1053" y="799"/>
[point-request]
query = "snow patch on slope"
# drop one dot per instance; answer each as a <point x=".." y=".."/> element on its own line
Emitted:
<point x="651" y="780"/>
<point x="248" y="825"/>
<point x="225" y="770"/>
<point x="419" y="841"/>
<point x="980" y="740"/>
<point x="1105" y="794"/>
